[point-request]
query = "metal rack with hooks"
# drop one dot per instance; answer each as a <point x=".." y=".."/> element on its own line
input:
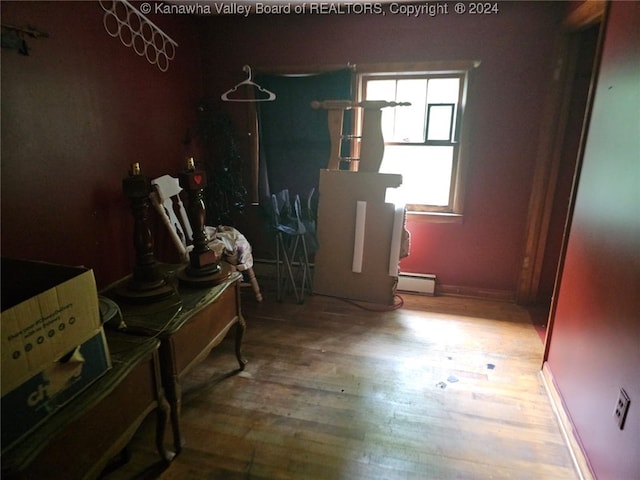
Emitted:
<point x="122" y="20"/>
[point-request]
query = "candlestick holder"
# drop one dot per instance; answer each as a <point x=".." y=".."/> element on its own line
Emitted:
<point x="204" y="268"/>
<point x="146" y="284"/>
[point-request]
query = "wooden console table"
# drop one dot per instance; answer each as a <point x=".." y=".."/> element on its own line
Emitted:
<point x="79" y="440"/>
<point x="189" y="325"/>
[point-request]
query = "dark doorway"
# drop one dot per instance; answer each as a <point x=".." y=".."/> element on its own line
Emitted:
<point x="585" y="50"/>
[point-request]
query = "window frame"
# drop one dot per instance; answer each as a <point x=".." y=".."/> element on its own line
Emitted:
<point x="462" y="69"/>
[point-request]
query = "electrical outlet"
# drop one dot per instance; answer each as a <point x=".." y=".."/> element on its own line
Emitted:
<point x="622" y="407"/>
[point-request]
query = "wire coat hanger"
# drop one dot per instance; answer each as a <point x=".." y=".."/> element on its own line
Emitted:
<point x="270" y="95"/>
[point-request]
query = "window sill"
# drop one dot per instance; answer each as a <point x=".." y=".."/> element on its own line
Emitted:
<point x="434" y="217"/>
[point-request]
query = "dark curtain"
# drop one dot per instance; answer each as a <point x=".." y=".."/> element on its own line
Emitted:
<point x="294" y="138"/>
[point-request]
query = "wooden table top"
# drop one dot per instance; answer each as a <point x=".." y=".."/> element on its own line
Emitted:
<point x="167" y="315"/>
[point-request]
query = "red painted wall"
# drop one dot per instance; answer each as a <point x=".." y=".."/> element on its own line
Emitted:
<point x="505" y="106"/>
<point x="595" y="344"/>
<point x="82" y="107"/>
<point x="76" y="113"/>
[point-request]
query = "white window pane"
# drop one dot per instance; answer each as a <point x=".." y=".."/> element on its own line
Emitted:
<point x="443" y="90"/>
<point x="440" y="122"/>
<point x="410" y="120"/>
<point x="381" y="90"/>
<point x="426" y="173"/>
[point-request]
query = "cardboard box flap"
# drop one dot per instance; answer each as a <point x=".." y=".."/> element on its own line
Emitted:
<point x="23" y="279"/>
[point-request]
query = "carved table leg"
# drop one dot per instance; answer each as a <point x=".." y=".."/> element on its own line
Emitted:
<point x="172" y="390"/>
<point x="175" y="401"/>
<point x="162" y="412"/>
<point x="241" y="326"/>
<point x="162" y="417"/>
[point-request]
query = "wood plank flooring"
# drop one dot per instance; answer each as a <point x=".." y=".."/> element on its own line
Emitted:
<point x="442" y="388"/>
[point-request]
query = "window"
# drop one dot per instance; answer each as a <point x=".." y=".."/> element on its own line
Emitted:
<point x="422" y="141"/>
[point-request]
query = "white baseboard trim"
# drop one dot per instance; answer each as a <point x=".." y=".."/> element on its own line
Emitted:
<point x="580" y="460"/>
<point x="424" y="284"/>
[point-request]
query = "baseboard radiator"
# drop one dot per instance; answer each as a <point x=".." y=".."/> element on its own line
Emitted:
<point x="424" y="284"/>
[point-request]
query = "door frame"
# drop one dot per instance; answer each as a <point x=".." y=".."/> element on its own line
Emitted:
<point x="550" y="143"/>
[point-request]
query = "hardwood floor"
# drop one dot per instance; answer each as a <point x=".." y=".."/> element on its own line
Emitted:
<point x="442" y="388"/>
